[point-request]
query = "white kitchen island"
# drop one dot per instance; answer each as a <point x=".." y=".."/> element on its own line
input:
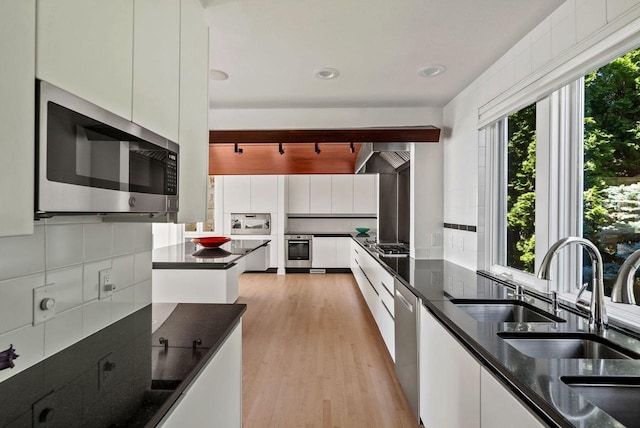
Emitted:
<point x="189" y="273"/>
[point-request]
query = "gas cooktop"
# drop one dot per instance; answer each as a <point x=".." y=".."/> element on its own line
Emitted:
<point x="397" y="249"/>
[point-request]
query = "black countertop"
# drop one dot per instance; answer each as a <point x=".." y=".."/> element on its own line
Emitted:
<point x="120" y="376"/>
<point x="192" y="256"/>
<point x="537" y="381"/>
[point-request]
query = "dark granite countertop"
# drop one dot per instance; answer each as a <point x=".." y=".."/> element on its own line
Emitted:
<point x="120" y="376"/>
<point x="537" y="381"/>
<point x="192" y="256"/>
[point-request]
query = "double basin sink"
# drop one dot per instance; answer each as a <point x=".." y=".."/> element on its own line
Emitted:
<point x="616" y="395"/>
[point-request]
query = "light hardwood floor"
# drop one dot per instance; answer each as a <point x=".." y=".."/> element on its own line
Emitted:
<point x="313" y="357"/>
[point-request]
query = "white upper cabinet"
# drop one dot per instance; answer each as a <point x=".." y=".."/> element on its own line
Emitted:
<point x="298" y="194"/>
<point x="320" y="194"/>
<point x="17" y="107"/>
<point x="86" y="48"/>
<point x="156" y="65"/>
<point x="264" y="193"/>
<point x="194" y="113"/>
<point x="237" y="194"/>
<point x="365" y="194"/>
<point x="332" y="194"/>
<point x="342" y="194"/>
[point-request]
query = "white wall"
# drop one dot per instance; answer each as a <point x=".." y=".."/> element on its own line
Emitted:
<point x="575" y="27"/>
<point x="66" y="253"/>
<point x="322" y="117"/>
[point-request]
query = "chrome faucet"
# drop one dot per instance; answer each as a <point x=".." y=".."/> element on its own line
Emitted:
<point x="622" y="291"/>
<point x="596" y="308"/>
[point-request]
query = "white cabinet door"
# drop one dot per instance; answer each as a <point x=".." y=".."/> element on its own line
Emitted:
<point x="156" y="66"/>
<point x="17" y="107"/>
<point x="298" y="194"/>
<point x="237" y="194"/>
<point x="194" y="113"/>
<point x="343" y="252"/>
<point x="86" y="48"/>
<point x="324" y="253"/>
<point x="449" y="378"/>
<point x="387" y="326"/>
<point x="499" y="408"/>
<point x="214" y="397"/>
<point x="342" y="194"/>
<point x="365" y="194"/>
<point x="264" y="193"/>
<point x="320" y="194"/>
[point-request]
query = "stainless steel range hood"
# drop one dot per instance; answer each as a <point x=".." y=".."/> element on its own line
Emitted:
<point x="395" y="154"/>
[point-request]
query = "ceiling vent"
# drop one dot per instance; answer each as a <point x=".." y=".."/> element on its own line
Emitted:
<point x="395" y="154"/>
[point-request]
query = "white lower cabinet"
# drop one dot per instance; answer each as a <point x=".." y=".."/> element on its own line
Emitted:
<point x="370" y="276"/>
<point x="499" y="408"/>
<point x="449" y="378"/>
<point x="331" y="252"/>
<point x="214" y="398"/>
<point x="456" y="391"/>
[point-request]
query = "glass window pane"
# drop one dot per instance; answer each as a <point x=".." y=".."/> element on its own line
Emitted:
<point x="521" y="177"/>
<point x="612" y="162"/>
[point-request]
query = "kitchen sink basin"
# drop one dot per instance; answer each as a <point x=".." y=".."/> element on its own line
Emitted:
<point x="566" y="345"/>
<point x="618" y="396"/>
<point x="504" y="311"/>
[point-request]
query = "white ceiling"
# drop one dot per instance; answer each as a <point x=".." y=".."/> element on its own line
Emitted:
<point x="271" y="48"/>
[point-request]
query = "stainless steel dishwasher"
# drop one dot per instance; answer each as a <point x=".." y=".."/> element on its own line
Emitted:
<point x="407" y="317"/>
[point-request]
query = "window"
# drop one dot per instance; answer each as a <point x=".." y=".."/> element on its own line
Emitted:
<point x="611" y="197"/>
<point x="520" y="189"/>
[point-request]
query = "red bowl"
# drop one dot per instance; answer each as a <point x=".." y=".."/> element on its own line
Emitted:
<point x="211" y="241"/>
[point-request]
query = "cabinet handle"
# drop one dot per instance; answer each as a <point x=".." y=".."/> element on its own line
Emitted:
<point x="386" y="288"/>
<point x="387" y="309"/>
<point x="369" y="281"/>
<point x="404" y="301"/>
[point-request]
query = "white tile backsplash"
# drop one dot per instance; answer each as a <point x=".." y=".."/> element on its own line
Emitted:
<point x="142" y="294"/>
<point x="122" y="271"/>
<point x="122" y="303"/>
<point x="68" y="285"/>
<point x="15" y="301"/>
<point x="69" y="252"/>
<point x="142" y="266"/>
<point x="62" y="331"/>
<point x="97" y="241"/>
<point x="96" y="315"/>
<point x="63" y="245"/>
<point x="22" y="255"/>
<point x="124" y="237"/>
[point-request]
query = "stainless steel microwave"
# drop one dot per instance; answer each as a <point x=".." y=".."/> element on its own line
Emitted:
<point x="89" y="160"/>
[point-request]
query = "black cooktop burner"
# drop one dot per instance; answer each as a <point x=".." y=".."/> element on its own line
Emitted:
<point x="395" y="249"/>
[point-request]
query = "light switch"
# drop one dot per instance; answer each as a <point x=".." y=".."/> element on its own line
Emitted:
<point x="44" y="303"/>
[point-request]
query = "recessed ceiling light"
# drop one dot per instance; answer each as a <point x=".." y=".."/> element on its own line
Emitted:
<point x="218" y="75"/>
<point x="431" y="70"/>
<point x="326" y="73"/>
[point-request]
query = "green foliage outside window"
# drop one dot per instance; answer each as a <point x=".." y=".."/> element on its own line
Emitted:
<point x="521" y="177"/>
<point x="612" y="160"/>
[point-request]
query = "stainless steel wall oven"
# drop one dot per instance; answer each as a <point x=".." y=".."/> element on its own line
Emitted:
<point x="298" y="251"/>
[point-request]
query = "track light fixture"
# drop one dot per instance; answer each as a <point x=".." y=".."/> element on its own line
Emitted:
<point x="317" y="149"/>
<point x="280" y="149"/>
<point x="237" y="149"/>
<point x="351" y="148"/>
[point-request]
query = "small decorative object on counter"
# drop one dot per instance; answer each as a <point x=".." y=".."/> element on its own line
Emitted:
<point x="362" y="229"/>
<point x="211" y="241"/>
<point x="7" y="357"/>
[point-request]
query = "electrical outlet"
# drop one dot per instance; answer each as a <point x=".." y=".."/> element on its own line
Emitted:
<point x="105" y="285"/>
<point x="44" y="303"/>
